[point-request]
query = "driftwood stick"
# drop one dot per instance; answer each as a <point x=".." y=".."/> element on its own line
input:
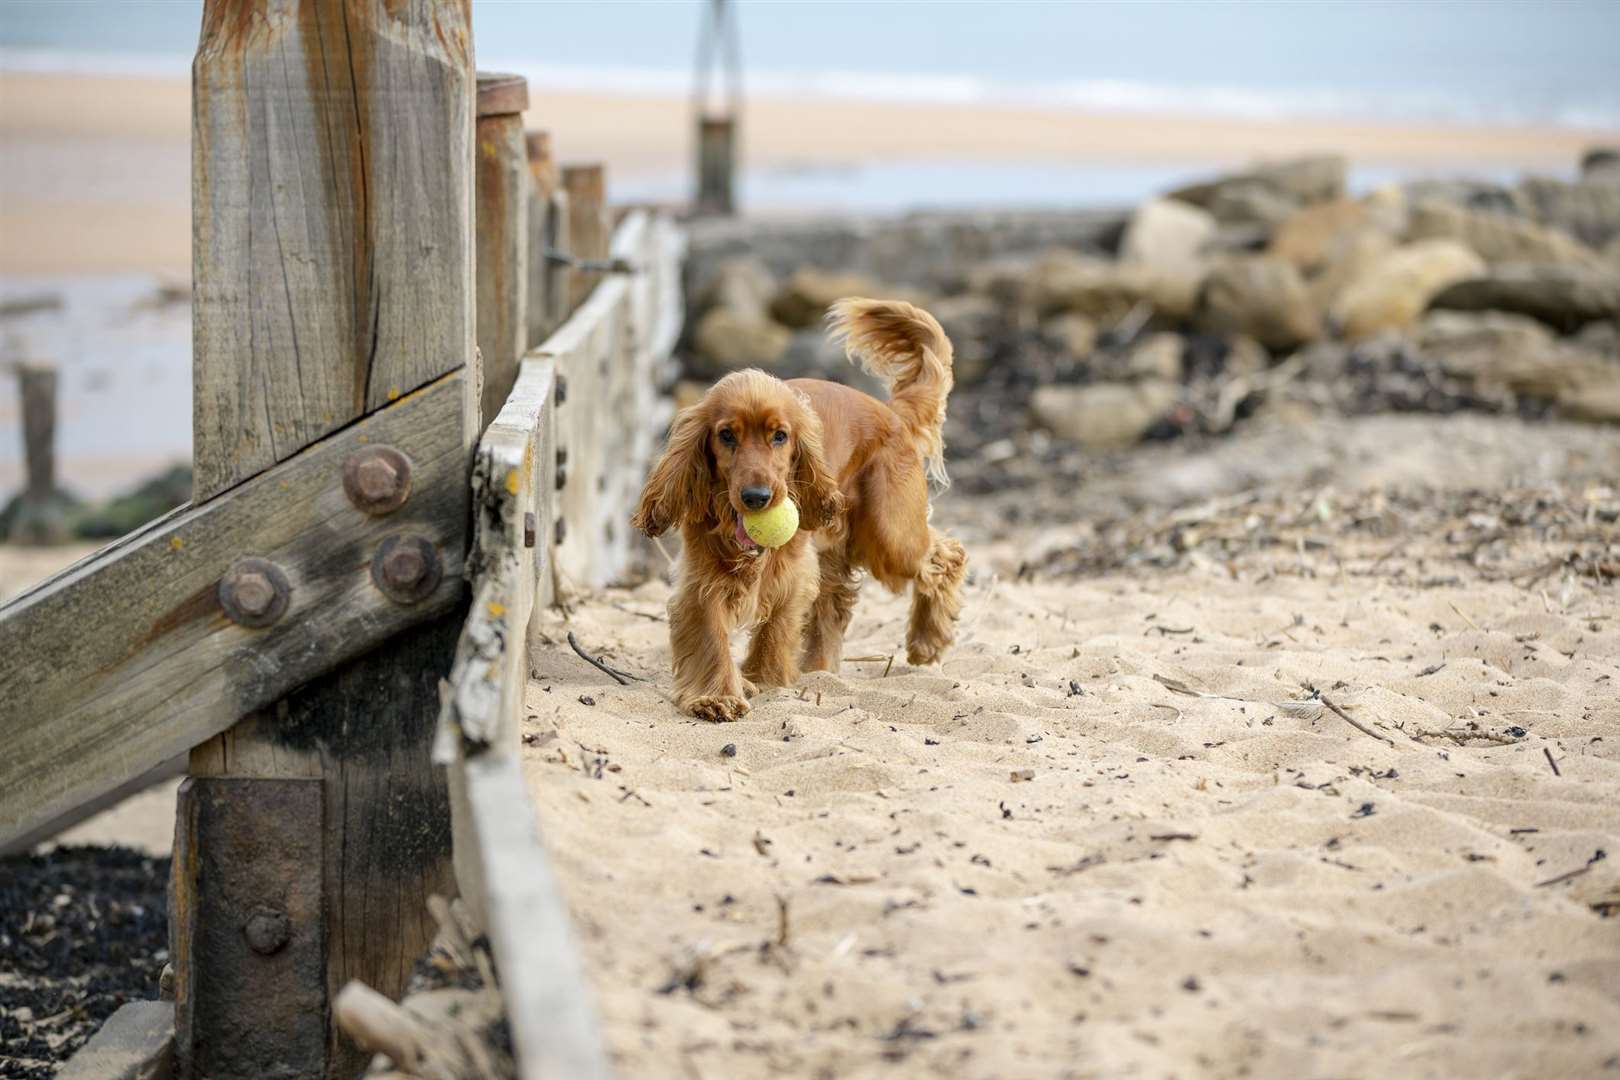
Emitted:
<point x="381" y="1027"/>
<point x="620" y="677"/>
<point x="1358" y="725"/>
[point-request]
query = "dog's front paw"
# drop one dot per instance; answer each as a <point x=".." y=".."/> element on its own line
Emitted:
<point x="719" y="708"/>
<point x="748" y="688"/>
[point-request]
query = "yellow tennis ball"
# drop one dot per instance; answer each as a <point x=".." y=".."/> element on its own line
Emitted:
<point x="774" y="527"/>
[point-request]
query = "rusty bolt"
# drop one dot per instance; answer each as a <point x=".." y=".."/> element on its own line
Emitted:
<point x="407" y="568"/>
<point x="562" y="455"/>
<point x="562" y="389"/>
<point x="266" y="930"/>
<point x="560" y="481"/>
<point x="528" y="528"/>
<point x="560" y="531"/>
<point x="377" y="479"/>
<point x="254" y="592"/>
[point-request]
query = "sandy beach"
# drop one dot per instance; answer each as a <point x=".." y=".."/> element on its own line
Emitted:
<point x="96" y="177"/>
<point x="1112" y="835"/>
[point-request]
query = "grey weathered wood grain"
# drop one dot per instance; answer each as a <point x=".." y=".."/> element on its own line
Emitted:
<point x="332" y="229"/>
<point x="548" y="1001"/>
<point x="504" y="188"/>
<point x="126" y="659"/>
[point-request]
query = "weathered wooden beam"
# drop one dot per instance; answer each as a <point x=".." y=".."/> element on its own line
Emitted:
<point x="716" y="164"/>
<point x="136" y="1043"/>
<point x="331" y="219"/>
<point x="129" y="658"/>
<point x="39" y="514"/>
<point x="333" y="194"/>
<point x="548" y="1001"/>
<point x="504" y="187"/>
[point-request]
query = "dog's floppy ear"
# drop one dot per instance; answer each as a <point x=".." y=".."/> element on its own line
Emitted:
<point x="678" y="491"/>
<point x="814" y="488"/>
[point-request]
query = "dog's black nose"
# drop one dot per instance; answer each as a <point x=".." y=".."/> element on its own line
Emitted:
<point x="756" y="498"/>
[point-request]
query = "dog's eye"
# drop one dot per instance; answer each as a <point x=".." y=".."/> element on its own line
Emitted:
<point x="727" y="438"/>
<point x="779" y="438"/>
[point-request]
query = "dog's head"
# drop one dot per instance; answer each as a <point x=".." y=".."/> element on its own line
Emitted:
<point x="750" y="442"/>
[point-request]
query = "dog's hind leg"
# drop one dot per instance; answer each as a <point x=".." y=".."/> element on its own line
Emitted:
<point x="936" y="599"/>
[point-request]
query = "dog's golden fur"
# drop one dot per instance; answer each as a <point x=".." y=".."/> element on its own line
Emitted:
<point x="858" y="468"/>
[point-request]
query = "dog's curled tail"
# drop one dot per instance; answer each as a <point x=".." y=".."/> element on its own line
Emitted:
<point x="905" y="347"/>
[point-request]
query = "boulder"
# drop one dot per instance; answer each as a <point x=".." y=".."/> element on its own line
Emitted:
<point x="742" y="283"/>
<point x="1164" y="232"/>
<point x="1103" y="415"/>
<point x="1063" y="281"/>
<point x="1348" y="258"/>
<point x="811" y="355"/>
<point x="1300" y="180"/>
<point x="1251" y="203"/>
<point x="1157" y="356"/>
<point x="1393" y="292"/>
<point x="1499" y="238"/>
<point x="1310" y="234"/>
<point x="1472" y="194"/>
<point x="1601" y="165"/>
<point x="1590" y="212"/>
<point x="1262" y="297"/>
<point x="973" y="323"/>
<point x="1246" y="356"/>
<point x="804" y="300"/>
<point x="1565" y="298"/>
<point x="1073" y="334"/>
<point x="726" y="340"/>
<point x="1473" y="344"/>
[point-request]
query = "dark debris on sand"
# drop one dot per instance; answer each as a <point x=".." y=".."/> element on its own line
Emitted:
<point x="83" y="930"/>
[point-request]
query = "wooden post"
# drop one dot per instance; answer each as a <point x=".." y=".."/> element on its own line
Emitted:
<point x="39" y="513"/>
<point x="589" y="231"/>
<point x="332" y="203"/>
<point x="546" y="211"/>
<point x="717" y="163"/>
<point x="503" y="234"/>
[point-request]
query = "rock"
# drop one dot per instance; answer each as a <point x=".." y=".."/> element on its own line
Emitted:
<point x="1073" y="334"/>
<point x="1063" y="281"/>
<point x="1393" y="292"/>
<point x="688" y="392"/>
<point x="1499" y="238"/>
<point x="1005" y="280"/>
<point x="1597" y="401"/>
<point x="742" y="283"/>
<point x="1471" y="194"/>
<point x="1565" y="298"/>
<point x="1472" y="343"/>
<point x="1351" y="255"/>
<point x="973" y="323"/>
<point x="1301" y="180"/>
<point x="810" y="355"/>
<point x="1157" y="356"/>
<point x="1246" y="356"/>
<point x="804" y="300"/>
<point x="1590" y="212"/>
<point x="1164" y="232"/>
<point x="1103" y="415"/>
<point x="726" y="340"/>
<point x="1260" y="296"/>
<point x="1310" y="234"/>
<point x="1251" y="203"/>
<point x="1601" y="165"/>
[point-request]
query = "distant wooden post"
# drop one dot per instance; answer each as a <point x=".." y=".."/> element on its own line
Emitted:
<point x="39" y="514"/>
<point x="589" y="231"/>
<point x="548" y="232"/>
<point x="717" y="125"/>
<point x="332" y="203"/>
<point x="503" y="234"/>
<point x="717" y="164"/>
